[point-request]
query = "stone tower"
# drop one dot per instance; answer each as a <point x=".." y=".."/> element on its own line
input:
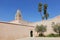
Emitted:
<point x="18" y="15"/>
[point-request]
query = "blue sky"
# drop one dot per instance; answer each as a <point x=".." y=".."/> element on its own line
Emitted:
<point x="29" y="9"/>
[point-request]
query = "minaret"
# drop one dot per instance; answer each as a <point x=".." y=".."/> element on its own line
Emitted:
<point x="18" y="15"/>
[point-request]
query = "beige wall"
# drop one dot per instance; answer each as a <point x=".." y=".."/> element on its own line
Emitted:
<point x="8" y="31"/>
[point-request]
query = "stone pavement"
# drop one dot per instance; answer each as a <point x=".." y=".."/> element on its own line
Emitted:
<point x="40" y="38"/>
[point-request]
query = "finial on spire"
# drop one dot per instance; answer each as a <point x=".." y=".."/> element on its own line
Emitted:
<point x="18" y="15"/>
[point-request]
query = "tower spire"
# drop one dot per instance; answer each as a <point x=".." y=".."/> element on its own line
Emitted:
<point x="18" y="15"/>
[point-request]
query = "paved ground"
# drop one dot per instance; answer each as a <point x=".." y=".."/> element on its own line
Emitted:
<point x="40" y="38"/>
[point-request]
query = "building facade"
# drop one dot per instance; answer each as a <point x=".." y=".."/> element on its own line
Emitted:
<point x="19" y="28"/>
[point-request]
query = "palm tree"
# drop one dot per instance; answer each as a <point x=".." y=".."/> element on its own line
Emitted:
<point x="45" y="8"/>
<point x="56" y="28"/>
<point x="46" y="16"/>
<point x="40" y="29"/>
<point x="40" y="9"/>
<point x="45" y="11"/>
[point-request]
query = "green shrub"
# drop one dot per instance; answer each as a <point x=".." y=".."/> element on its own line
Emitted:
<point x="53" y="35"/>
<point x="41" y="35"/>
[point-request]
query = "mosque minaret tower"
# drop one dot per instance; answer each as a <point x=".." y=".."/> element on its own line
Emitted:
<point x="18" y="15"/>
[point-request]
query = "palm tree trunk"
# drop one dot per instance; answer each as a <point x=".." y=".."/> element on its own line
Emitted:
<point x="41" y="15"/>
